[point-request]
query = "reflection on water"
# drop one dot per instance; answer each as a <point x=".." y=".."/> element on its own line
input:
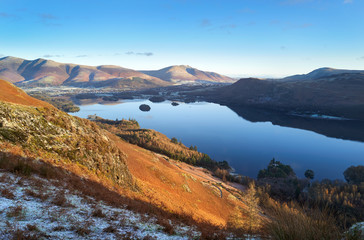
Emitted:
<point x="343" y="129"/>
<point x="246" y="138"/>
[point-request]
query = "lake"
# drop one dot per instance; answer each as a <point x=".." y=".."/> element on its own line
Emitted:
<point x="247" y="146"/>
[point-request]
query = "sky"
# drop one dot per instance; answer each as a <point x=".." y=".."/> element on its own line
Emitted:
<point x="238" y="38"/>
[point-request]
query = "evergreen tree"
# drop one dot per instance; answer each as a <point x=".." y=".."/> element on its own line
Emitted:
<point x="309" y="174"/>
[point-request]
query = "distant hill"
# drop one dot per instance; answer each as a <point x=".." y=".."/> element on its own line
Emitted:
<point x="319" y="73"/>
<point x="183" y="73"/>
<point x="335" y="94"/>
<point x="43" y="72"/>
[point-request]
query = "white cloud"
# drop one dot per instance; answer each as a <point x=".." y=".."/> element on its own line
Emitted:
<point x="147" y="54"/>
<point x="51" y="56"/>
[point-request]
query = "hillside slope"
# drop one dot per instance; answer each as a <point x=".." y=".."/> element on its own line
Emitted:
<point x="10" y="93"/>
<point x="42" y="141"/>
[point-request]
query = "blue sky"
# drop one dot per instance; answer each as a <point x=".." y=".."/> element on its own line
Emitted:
<point x="233" y="37"/>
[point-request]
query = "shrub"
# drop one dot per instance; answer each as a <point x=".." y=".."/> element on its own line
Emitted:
<point x="174" y="140"/>
<point x="354" y="174"/>
<point x="309" y="174"/>
<point x="23" y="168"/>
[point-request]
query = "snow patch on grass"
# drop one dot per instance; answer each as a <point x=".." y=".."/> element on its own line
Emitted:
<point x="42" y="208"/>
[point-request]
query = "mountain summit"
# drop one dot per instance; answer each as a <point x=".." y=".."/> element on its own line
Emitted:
<point x="181" y="73"/>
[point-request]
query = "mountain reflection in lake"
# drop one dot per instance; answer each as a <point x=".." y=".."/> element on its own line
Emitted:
<point x="246" y="138"/>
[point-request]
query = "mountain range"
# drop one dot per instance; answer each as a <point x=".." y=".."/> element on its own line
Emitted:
<point x="43" y="72"/>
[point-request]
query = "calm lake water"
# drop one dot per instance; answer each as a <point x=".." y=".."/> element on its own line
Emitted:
<point x="247" y="146"/>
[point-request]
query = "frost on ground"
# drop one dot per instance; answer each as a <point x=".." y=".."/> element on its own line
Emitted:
<point x="36" y="208"/>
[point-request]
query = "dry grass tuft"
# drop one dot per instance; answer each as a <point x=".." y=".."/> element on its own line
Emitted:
<point x="83" y="230"/>
<point x="19" y="234"/>
<point x="98" y="213"/>
<point x="32" y="227"/>
<point x="41" y="196"/>
<point x="7" y="193"/>
<point x="167" y="226"/>
<point x="58" y="228"/>
<point x="295" y="223"/>
<point x="110" y="229"/>
<point x="61" y="200"/>
<point x="16" y="212"/>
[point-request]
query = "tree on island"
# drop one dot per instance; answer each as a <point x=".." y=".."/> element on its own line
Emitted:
<point x="276" y="169"/>
<point x="309" y="174"/>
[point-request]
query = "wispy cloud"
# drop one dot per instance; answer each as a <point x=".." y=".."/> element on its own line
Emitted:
<point x="205" y="23"/>
<point x="246" y="10"/>
<point x="49" y="19"/>
<point x="293" y="2"/>
<point x="4" y="15"/>
<point x="290" y="25"/>
<point x="52" y="56"/>
<point x="47" y="16"/>
<point x="251" y="23"/>
<point x="361" y="58"/>
<point x="81" y="56"/>
<point x="283" y="48"/>
<point x="7" y="15"/>
<point x="147" y="54"/>
<point x="2" y="55"/>
<point x="348" y="1"/>
<point x="228" y="26"/>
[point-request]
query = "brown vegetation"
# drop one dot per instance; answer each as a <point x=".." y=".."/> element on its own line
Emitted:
<point x="10" y="93"/>
<point x="97" y="163"/>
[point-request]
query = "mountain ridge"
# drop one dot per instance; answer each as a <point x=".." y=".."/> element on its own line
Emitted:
<point x="319" y="73"/>
<point x="44" y="72"/>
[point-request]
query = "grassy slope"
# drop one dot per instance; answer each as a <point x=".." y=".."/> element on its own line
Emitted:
<point x="10" y="93"/>
<point x="81" y="148"/>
